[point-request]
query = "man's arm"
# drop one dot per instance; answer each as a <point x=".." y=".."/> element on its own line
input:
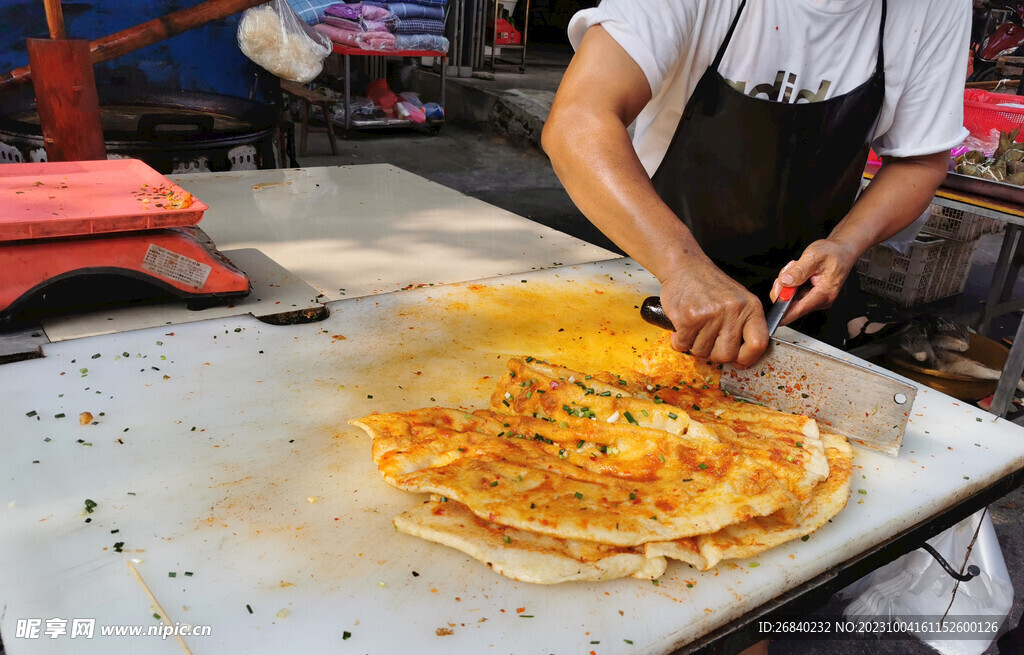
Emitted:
<point x="900" y="191"/>
<point x="585" y="136"/>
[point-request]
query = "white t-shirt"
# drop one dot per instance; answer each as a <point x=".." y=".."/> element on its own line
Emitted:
<point x="798" y="51"/>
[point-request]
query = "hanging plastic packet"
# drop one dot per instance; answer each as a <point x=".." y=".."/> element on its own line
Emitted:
<point x="274" y="37"/>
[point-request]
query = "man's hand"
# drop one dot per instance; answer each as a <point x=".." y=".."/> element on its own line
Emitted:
<point x="714" y="316"/>
<point x="826" y="265"/>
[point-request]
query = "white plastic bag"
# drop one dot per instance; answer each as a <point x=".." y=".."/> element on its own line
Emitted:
<point x="916" y="588"/>
<point x="273" y="36"/>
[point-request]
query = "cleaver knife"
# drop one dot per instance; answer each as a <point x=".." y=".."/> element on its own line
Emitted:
<point x="865" y="405"/>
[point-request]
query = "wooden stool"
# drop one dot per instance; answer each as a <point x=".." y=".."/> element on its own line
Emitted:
<point x="309" y="98"/>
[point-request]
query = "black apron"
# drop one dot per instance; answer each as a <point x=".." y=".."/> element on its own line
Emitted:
<point x="757" y="181"/>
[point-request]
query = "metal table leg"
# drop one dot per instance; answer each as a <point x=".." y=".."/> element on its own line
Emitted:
<point x="995" y="293"/>
<point x="348" y="94"/>
<point x="444" y="76"/>
<point x="1012" y="371"/>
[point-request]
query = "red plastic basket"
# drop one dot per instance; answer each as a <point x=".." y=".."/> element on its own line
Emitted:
<point x="982" y="113"/>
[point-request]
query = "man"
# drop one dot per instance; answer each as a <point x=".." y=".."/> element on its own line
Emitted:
<point x="753" y="123"/>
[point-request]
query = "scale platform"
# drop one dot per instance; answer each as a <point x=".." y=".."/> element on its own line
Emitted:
<point x="106" y="219"/>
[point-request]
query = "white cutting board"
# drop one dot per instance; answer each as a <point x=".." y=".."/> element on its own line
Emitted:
<point x="228" y="500"/>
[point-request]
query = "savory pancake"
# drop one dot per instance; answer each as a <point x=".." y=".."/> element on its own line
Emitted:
<point x="523" y="555"/>
<point x="536" y="388"/>
<point x="762" y="533"/>
<point x="577" y="476"/>
<point x="577" y="479"/>
<point x="789" y="445"/>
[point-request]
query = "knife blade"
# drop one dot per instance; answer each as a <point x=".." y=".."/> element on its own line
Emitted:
<point x="854" y="400"/>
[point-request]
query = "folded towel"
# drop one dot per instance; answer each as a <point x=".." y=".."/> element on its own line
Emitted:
<point x="409" y="10"/>
<point x="429" y="3"/>
<point x="373" y="12"/>
<point x="340" y="35"/>
<point x="420" y="26"/>
<point x="348" y="12"/>
<point x="376" y="40"/>
<point x="421" y="42"/>
<point x="388" y="25"/>
<point x="342" y="23"/>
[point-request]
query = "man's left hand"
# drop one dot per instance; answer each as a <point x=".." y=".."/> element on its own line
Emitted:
<point x="825" y="265"/>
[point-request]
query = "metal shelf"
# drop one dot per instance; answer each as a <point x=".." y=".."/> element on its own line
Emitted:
<point x="518" y="46"/>
<point x="383" y="123"/>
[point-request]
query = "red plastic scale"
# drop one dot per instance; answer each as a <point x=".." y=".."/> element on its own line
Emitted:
<point x="67" y="219"/>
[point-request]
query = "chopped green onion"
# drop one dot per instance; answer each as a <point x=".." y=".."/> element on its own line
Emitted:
<point x="578" y="495"/>
<point x="248" y="608"/>
<point x="702" y="466"/>
<point x="673" y="416"/>
<point x="172" y="574"/>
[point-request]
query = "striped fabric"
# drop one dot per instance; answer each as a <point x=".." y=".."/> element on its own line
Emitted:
<point x="310" y="10"/>
<point x="420" y="26"/>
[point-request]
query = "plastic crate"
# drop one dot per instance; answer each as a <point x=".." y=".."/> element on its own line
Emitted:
<point x="956" y="224"/>
<point x="933" y="268"/>
<point x="984" y="112"/>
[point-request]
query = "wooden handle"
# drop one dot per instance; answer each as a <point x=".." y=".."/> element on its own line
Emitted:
<point x="55" y="19"/>
<point x="652" y="312"/>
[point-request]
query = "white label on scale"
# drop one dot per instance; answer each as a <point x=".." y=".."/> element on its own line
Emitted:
<point x="175" y="266"/>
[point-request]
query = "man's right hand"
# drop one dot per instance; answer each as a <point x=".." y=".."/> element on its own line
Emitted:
<point x="715" y="317"/>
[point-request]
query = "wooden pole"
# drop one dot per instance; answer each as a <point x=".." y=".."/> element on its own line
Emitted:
<point x="69" y="109"/>
<point x="55" y="19"/>
<point x="140" y="36"/>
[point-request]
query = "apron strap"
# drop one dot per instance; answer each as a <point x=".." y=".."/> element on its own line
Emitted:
<point x="880" y="63"/>
<point x="728" y="36"/>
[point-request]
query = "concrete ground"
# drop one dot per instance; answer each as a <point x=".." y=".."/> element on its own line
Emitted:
<point x="485" y="154"/>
